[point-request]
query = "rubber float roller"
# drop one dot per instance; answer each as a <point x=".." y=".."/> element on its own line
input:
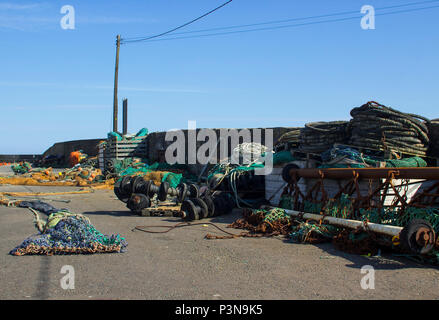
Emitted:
<point x="182" y="191"/>
<point x="207" y="206"/>
<point x="137" y="192"/>
<point x="126" y="186"/>
<point x="246" y="181"/>
<point x="137" y="202"/>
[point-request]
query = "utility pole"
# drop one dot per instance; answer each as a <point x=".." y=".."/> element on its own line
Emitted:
<point x="116" y="75"/>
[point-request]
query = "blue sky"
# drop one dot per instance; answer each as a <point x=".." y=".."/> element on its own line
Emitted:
<point x="57" y="85"/>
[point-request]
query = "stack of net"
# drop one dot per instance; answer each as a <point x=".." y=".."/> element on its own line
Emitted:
<point x="379" y="127"/>
<point x="317" y="137"/>
<point x="291" y="137"/>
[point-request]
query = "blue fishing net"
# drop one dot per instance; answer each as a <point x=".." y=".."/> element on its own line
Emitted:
<point x="70" y="235"/>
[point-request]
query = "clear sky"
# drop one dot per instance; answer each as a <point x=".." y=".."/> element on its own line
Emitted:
<point x="57" y="85"/>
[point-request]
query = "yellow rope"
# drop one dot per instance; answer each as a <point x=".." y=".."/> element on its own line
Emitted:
<point x="29" y="194"/>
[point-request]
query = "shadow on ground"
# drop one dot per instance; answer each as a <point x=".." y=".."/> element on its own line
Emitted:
<point x="126" y="213"/>
<point x="385" y="261"/>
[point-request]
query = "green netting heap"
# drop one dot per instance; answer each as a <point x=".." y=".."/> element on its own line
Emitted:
<point x="286" y="202"/>
<point x="342" y="208"/>
<point x="304" y="231"/>
<point x="312" y="231"/>
<point x="380" y="215"/>
<point x="68" y="233"/>
<point x="127" y="167"/>
<point x="412" y="162"/>
<point x="346" y="157"/>
<point x="312" y="207"/>
<point x="431" y="215"/>
<point x="21" y="168"/>
<point x="142" y="133"/>
<point x="275" y="214"/>
<point x="135" y="171"/>
<point x="119" y="166"/>
<point x="138" y="136"/>
<point x="163" y="166"/>
<point x="282" y="157"/>
<point x="114" y="135"/>
<point x="173" y="179"/>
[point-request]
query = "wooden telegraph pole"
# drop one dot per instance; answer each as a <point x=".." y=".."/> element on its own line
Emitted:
<point x="116" y="75"/>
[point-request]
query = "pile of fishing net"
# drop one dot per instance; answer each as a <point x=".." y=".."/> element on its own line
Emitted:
<point x="341" y="156"/>
<point x="275" y="221"/>
<point x="157" y="172"/>
<point x="88" y="173"/>
<point x="317" y="137"/>
<point x="76" y="176"/>
<point x="344" y="157"/>
<point x="119" y="166"/>
<point x="355" y="241"/>
<point x="21" y="167"/>
<point x="66" y="233"/>
<point x="360" y="241"/>
<point x="260" y="223"/>
<point x="379" y="127"/>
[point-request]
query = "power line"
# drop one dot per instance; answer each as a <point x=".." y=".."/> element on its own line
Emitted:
<point x="292" y="25"/>
<point x="183" y="25"/>
<point x="294" y="19"/>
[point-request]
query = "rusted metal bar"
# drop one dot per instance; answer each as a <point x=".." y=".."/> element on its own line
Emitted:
<point x="431" y="173"/>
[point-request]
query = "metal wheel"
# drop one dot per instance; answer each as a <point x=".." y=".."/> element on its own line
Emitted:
<point x="418" y="236"/>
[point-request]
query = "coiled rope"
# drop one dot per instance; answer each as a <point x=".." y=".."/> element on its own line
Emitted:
<point x="377" y="126"/>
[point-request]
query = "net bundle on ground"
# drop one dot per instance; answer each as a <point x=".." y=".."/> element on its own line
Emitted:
<point x="21" y="167"/>
<point x="376" y="126"/>
<point x="77" y="176"/>
<point x="317" y="137"/>
<point x="260" y="223"/>
<point x="66" y="233"/>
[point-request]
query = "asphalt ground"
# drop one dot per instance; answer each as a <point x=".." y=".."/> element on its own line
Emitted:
<point x="181" y="264"/>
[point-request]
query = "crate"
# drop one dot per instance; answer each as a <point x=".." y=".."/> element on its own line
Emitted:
<point x="101" y="157"/>
<point x="122" y="149"/>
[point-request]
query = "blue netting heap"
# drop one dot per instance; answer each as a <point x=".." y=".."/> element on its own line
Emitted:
<point x="70" y="235"/>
